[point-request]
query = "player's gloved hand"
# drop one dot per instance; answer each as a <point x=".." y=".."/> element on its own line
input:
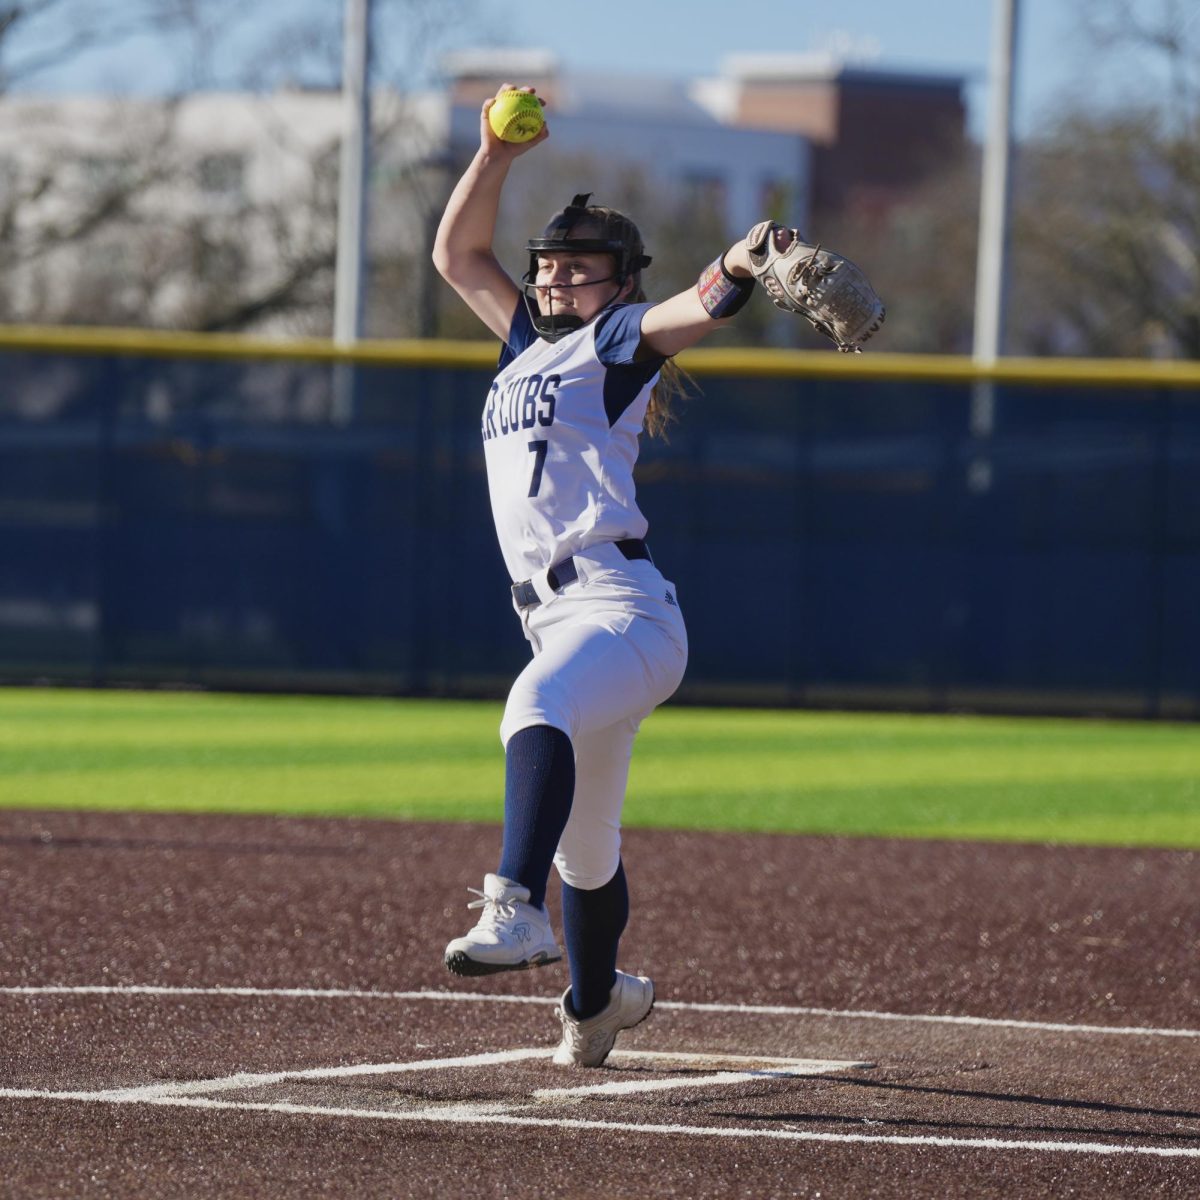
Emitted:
<point x="823" y="287"/>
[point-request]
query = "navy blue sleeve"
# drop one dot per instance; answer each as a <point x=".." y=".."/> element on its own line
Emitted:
<point x="521" y="335"/>
<point x="619" y="334"/>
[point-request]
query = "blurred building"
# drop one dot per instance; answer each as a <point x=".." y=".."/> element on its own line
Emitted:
<point x="848" y="135"/>
<point x="874" y="134"/>
<point x="217" y="211"/>
<point x="684" y="148"/>
<point x="142" y="210"/>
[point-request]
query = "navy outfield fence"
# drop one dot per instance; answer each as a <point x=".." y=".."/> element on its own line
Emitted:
<point x="888" y="531"/>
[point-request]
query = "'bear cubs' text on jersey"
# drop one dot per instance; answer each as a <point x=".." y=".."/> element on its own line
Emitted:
<point x="522" y="403"/>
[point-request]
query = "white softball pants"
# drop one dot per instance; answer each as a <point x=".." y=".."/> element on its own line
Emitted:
<point x="608" y="650"/>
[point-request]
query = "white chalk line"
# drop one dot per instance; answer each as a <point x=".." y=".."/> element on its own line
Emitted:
<point x="712" y="1058"/>
<point x="628" y="1087"/>
<point x="183" y="1095"/>
<point x="781" y="1010"/>
<point x="244" y="1079"/>
<point x="467" y="1115"/>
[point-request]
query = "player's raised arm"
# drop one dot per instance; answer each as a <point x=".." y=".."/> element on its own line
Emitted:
<point x="462" y="250"/>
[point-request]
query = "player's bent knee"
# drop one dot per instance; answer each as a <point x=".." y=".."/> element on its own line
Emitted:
<point x="591" y="871"/>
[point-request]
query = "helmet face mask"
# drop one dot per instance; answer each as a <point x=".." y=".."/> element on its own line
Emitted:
<point x="605" y="233"/>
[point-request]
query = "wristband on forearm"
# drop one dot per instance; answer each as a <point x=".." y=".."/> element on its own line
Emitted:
<point x="722" y="294"/>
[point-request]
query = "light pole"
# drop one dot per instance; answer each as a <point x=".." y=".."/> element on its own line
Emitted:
<point x="991" y="270"/>
<point x="991" y="283"/>
<point x="355" y="160"/>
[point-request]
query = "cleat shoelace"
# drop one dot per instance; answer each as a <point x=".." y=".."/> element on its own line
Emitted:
<point x="494" y="910"/>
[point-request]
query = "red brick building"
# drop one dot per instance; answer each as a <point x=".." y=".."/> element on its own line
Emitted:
<point x="874" y="133"/>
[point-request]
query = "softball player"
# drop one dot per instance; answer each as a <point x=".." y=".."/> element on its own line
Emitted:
<point x="584" y="367"/>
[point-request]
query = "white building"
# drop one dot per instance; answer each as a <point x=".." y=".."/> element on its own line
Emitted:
<point x="140" y="201"/>
<point x="179" y="212"/>
<point x="657" y="126"/>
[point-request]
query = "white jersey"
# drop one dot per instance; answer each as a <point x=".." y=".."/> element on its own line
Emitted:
<point x="560" y="438"/>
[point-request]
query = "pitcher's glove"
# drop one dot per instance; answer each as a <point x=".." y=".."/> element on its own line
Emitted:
<point x="827" y="289"/>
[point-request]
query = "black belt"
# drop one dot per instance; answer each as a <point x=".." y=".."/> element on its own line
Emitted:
<point x="565" y="572"/>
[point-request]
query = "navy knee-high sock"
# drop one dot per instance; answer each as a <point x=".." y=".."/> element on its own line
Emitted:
<point x="539" y="785"/>
<point x="592" y="926"/>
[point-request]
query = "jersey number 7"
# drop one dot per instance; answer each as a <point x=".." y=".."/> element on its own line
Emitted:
<point x="538" y="450"/>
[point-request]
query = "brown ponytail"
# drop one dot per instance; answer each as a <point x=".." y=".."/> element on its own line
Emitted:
<point x="670" y="390"/>
<point x="666" y="395"/>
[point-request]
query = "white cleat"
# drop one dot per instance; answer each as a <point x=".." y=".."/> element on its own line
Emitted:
<point x="588" y="1043"/>
<point x="512" y="935"/>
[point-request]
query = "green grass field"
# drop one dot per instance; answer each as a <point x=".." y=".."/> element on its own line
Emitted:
<point x="1019" y="779"/>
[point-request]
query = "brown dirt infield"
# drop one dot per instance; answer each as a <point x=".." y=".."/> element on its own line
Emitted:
<point x="863" y="931"/>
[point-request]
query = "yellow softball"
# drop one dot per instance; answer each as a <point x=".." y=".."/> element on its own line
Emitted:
<point x="516" y="116"/>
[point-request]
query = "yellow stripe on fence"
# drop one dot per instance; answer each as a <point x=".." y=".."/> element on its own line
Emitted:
<point x="746" y="363"/>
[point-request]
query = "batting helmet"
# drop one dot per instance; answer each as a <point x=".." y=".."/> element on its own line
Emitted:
<point x="600" y="231"/>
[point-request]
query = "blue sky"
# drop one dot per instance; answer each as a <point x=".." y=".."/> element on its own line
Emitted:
<point x="953" y="36"/>
<point x="688" y="38"/>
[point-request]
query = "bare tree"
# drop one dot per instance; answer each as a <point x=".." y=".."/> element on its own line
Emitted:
<point x="1107" y="241"/>
<point x="37" y="36"/>
<point x="142" y="212"/>
<point x="1107" y="246"/>
<point x="1155" y="40"/>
